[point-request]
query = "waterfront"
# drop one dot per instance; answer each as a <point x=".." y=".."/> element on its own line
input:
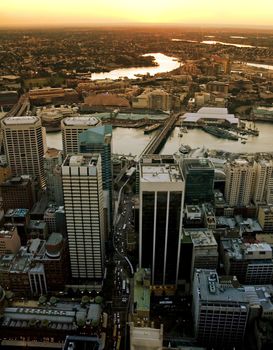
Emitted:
<point x="165" y="64"/>
<point x="128" y="140"/>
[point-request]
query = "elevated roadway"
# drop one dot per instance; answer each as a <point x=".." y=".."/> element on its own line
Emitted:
<point x="20" y="108"/>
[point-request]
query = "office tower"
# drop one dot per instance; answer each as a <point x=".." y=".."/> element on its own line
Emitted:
<point x="83" y="201"/>
<point x="199" y="178"/>
<point x="17" y="192"/>
<point x="250" y="263"/>
<point x="24" y="143"/>
<point x="220" y="310"/>
<point x="160" y="217"/>
<point x="53" y="175"/>
<point x="263" y="188"/>
<point x="99" y="140"/>
<point x="240" y="177"/>
<point x="71" y="128"/>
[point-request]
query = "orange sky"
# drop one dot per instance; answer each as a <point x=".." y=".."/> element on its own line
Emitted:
<point x="90" y="12"/>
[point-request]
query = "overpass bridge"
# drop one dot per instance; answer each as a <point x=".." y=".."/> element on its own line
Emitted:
<point x="20" y="108"/>
<point x="156" y="143"/>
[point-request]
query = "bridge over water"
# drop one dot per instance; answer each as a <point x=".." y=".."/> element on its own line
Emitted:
<point x="156" y="143"/>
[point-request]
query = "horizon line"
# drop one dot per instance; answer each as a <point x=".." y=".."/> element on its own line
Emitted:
<point x="135" y="25"/>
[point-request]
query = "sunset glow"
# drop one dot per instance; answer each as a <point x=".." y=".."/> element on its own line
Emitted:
<point x="93" y="12"/>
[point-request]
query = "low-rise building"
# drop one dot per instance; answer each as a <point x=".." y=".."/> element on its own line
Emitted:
<point x="251" y="263"/>
<point x="220" y="310"/>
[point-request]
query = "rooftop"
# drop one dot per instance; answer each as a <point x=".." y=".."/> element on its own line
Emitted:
<point x="197" y="164"/>
<point x="213" y="289"/>
<point x="24" y="120"/>
<point x="81" y="160"/>
<point x="201" y="237"/>
<point x="80" y="121"/>
<point x="142" y="291"/>
<point x="160" y="173"/>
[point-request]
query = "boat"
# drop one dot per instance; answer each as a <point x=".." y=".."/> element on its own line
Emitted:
<point x="243" y="141"/>
<point x="218" y="132"/>
<point x="184" y="129"/>
<point x="180" y="134"/>
<point x="184" y="149"/>
<point x="151" y="128"/>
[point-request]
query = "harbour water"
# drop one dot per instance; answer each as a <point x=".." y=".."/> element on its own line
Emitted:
<point x="165" y="64"/>
<point x="132" y="141"/>
<point x="128" y="140"/>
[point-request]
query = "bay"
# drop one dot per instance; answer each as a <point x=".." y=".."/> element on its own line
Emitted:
<point x="165" y="64"/>
<point x="132" y="141"/>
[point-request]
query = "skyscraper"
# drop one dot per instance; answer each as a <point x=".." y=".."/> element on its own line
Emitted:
<point x="71" y="128"/>
<point x="83" y="201"/>
<point x="99" y="140"/>
<point x="160" y="217"/>
<point x="24" y="143"/>
<point x="240" y="177"/>
<point x="263" y="189"/>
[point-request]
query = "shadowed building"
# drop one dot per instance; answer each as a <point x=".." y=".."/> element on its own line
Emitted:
<point x="160" y="217"/>
<point x="199" y="179"/>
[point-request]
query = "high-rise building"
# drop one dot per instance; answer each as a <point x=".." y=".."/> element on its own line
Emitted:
<point x="99" y="140"/>
<point x="220" y="310"/>
<point x="71" y="128"/>
<point x="53" y="175"/>
<point x="240" y="177"/>
<point x="160" y="217"/>
<point x="199" y="178"/>
<point x="83" y="201"/>
<point x="24" y="144"/>
<point x="263" y="189"/>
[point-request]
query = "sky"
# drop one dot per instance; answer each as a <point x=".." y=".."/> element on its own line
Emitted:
<point x="27" y="13"/>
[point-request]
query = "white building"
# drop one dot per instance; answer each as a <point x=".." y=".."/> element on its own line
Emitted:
<point x="83" y="201"/>
<point x="146" y="338"/>
<point x="24" y="144"/>
<point x="161" y="211"/>
<point x="71" y="128"/>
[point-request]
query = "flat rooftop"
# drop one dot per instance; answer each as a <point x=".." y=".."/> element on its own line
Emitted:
<point x="81" y="160"/>
<point x="80" y="121"/>
<point x="225" y="290"/>
<point x="24" y="120"/>
<point x="161" y="173"/>
<point x="201" y="237"/>
<point x="197" y="164"/>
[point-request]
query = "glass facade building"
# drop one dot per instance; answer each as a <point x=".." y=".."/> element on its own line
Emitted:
<point x="199" y="178"/>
